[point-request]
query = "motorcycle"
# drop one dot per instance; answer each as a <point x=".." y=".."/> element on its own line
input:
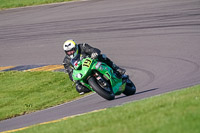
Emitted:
<point x="100" y="78"/>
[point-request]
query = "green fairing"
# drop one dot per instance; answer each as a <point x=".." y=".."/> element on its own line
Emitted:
<point x="84" y="68"/>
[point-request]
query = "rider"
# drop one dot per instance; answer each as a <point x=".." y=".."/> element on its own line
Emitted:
<point x="78" y="52"/>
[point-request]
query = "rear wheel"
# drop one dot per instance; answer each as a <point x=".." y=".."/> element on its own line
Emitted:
<point x="130" y="88"/>
<point x="101" y="91"/>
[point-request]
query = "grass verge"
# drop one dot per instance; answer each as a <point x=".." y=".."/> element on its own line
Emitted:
<point x="176" y="112"/>
<point x="25" y="92"/>
<point x="5" y="4"/>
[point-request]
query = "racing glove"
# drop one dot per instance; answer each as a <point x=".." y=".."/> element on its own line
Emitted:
<point x="94" y="55"/>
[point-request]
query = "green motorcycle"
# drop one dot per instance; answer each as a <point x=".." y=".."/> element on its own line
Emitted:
<point x="100" y="78"/>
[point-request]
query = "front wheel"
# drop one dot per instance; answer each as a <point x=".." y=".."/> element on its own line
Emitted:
<point x="130" y="88"/>
<point x="99" y="90"/>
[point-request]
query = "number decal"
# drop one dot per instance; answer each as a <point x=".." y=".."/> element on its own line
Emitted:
<point x="87" y="63"/>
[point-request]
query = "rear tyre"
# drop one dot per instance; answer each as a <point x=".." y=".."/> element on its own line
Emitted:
<point x="130" y="88"/>
<point x="99" y="90"/>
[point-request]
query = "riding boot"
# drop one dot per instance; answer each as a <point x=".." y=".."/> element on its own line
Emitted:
<point x="121" y="71"/>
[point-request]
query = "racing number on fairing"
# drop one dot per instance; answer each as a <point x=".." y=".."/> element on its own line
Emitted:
<point x="87" y="63"/>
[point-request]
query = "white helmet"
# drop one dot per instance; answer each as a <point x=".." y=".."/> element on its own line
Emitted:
<point x="70" y="48"/>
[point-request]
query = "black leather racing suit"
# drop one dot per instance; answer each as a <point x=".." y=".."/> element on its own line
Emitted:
<point x="84" y="50"/>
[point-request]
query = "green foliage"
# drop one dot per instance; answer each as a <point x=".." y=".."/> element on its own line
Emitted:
<point x="4" y="4"/>
<point x="176" y="112"/>
<point x="24" y="92"/>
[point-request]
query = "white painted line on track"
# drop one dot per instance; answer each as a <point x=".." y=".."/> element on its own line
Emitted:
<point x="68" y="102"/>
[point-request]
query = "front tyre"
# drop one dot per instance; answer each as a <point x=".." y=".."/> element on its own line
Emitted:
<point x="99" y="90"/>
<point x="130" y="88"/>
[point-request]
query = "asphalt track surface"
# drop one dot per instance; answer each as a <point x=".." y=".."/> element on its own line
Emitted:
<point x="157" y="41"/>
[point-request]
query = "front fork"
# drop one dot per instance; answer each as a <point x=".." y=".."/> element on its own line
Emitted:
<point x="103" y="83"/>
<point x="100" y="80"/>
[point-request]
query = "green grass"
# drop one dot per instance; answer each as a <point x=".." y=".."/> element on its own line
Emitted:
<point x="25" y="92"/>
<point x="176" y="112"/>
<point x="4" y="4"/>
